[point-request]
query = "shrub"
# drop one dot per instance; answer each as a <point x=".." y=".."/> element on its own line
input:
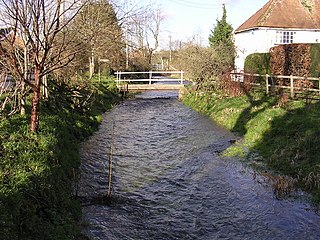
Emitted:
<point x="315" y="60"/>
<point x="257" y="63"/>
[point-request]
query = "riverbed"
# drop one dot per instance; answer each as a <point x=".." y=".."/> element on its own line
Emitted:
<point x="170" y="182"/>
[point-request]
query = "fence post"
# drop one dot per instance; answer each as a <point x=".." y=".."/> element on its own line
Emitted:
<point x="150" y="77"/>
<point x="181" y="77"/>
<point x="267" y="84"/>
<point x="291" y="86"/>
<point x="319" y="85"/>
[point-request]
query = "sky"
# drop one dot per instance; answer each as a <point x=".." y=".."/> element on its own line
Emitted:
<point x="188" y="18"/>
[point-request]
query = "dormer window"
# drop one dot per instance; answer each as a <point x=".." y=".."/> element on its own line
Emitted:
<point x="285" y="37"/>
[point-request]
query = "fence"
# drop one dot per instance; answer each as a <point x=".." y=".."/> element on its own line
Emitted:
<point x="294" y="84"/>
<point x="153" y="76"/>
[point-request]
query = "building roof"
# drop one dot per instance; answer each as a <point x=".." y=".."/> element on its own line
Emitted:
<point x="295" y="14"/>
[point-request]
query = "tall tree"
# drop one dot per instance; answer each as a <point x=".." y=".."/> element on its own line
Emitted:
<point x="145" y="29"/>
<point x="44" y="23"/>
<point x="221" y="39"/>
<point x="222" y="33"/>
<point x="98" y="29"/>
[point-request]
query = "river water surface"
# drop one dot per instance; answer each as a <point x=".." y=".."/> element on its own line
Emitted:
<point x="169" y="181"/>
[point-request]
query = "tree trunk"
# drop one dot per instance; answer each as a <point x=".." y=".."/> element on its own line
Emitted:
<point x="34" y="121"/>
<point x="23" y="99"/>
<point x="91" y="64"/>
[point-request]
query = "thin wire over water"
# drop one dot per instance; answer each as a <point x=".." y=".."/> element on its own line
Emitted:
<point x="170" y="183"/>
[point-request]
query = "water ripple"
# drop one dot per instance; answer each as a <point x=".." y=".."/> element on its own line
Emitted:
<point x="170" y="183"/>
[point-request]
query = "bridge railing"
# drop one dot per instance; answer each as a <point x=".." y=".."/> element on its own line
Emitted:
<point x="153" y="77"/>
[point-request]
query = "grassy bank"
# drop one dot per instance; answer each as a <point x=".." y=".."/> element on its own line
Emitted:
<point x="287" y="139"/>
<point x="37" y="171"/>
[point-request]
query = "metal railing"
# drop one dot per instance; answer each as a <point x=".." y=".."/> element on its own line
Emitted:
<point x="153" y="76"/>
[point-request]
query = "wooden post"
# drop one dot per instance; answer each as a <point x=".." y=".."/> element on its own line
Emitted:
<point x="267" y="84"/>
<point x="181" y="77"/>
<point x="99" y="70"/>
<point x="150" y="77"/>
<point x="291" y="86"/>
<point x="319" y="86"/>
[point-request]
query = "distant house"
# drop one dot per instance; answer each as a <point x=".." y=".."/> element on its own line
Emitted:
<point x="278" y="22"/>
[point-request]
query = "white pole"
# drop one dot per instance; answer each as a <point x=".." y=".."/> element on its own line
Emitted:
<point x="181" y="77"/>
<point x="267" y="83"/>
<point x="150" y="77"/>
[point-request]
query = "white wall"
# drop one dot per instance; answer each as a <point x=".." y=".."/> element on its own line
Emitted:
<point x="260" y="40"/>
<point x="307" y="36"/>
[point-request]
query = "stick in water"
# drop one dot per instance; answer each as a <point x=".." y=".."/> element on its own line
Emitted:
<point x="110" y="164"/>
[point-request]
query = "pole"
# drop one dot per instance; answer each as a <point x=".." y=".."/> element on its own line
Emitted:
<point x="127" y="43"/>
<point x="170" y="47"/>
<point x="150" y="77"/>
<point x="99" y="73"/>
<point x="109" y="193"/>
<point x="267" y="84"/>
<point x="291" y="86"/>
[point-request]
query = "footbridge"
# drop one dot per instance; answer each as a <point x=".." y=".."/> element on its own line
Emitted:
<point x="152" y="80"/>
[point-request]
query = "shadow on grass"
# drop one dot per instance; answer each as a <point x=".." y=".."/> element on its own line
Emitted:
<point x="289" y="140"/>
<point x="292" y="145"/>
<point x="257" y="105"/>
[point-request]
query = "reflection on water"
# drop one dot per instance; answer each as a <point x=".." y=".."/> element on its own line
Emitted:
<point x="170" y="183"/>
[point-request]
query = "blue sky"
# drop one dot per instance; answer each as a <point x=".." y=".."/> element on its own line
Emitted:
<point x="186" y="18"/>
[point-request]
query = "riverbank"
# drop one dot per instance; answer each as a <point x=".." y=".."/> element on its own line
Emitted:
<point x="286" y="140"/>
<point x="38" y="171"/>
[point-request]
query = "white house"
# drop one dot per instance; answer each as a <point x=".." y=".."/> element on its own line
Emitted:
<point x="278" y="22"/>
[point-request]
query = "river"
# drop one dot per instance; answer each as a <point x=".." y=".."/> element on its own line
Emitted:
<point x="169" y="181"/>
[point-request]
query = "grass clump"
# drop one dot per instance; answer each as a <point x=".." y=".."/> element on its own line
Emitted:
<point x="287" y="139"/>
<point x="37" y="171"/>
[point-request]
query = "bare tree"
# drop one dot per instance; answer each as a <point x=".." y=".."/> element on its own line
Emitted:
<point x="44" y="24"/>
<point x="144" y="30"/>
<point x="12" y="54"/>
<point x="154" y="21"/>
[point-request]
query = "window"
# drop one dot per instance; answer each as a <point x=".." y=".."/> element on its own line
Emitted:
<point x="284" y="37"/>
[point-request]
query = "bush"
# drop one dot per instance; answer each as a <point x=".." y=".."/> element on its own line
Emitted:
<point x="257" y="63"/>
<point x="203" y="65"/>
<point x="315" y="60"/>
<point x="295" y="59"/>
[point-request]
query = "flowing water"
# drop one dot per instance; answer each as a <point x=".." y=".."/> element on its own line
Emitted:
<point x="169" y="181"/>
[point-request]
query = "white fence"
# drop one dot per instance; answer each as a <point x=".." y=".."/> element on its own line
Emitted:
<point x="153" y="76"/>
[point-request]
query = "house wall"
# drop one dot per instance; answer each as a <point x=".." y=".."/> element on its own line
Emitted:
<point x="260" y="40"/>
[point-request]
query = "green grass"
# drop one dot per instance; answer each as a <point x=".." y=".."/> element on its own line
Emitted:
<point x="37" y="171"/>
<point x="287" y="139"/>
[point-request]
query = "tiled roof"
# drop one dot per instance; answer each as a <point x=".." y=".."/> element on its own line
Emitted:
<point x="297" y="14"/>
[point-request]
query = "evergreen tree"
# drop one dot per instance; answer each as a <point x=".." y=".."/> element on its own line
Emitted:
<point x="222" y="33"/>
<point x="221" y="39"/>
